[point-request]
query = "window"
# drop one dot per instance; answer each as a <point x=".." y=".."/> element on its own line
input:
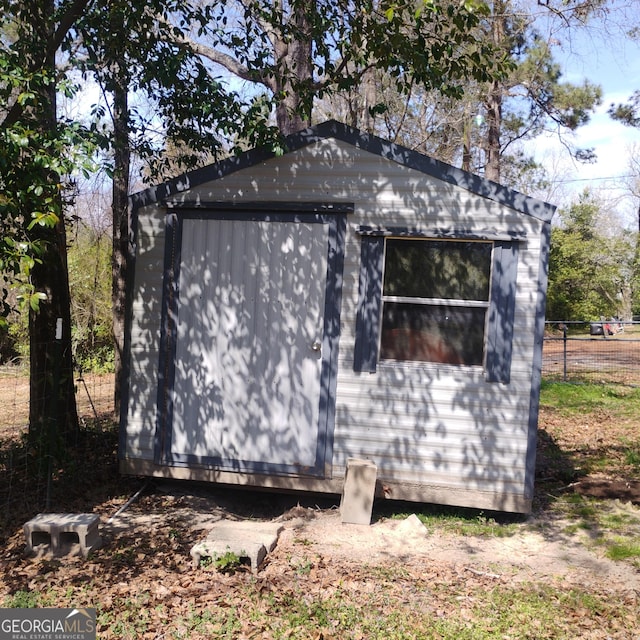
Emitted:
<point x="435" y="297"/>
<point x="429" y="299"/>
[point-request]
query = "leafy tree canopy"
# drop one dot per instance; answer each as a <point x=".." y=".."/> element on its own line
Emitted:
<point x="628" y="113"/>
<point x="589" y="271"/>
<point x="282" y="56"/>
<point x="34" y="162"/>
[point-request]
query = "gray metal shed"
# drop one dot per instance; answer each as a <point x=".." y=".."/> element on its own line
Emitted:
<point x="349" y="298"/>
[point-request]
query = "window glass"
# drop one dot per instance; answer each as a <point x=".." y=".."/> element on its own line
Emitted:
<point x="435" y="299"/>
<point x="454" y="335"/>
<point x="437" y="269"/>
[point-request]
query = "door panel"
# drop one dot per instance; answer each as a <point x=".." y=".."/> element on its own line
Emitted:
<point x="249" y="343"/>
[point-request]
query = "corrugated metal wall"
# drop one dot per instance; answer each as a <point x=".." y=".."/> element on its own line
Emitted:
<point x="251" y="304"/>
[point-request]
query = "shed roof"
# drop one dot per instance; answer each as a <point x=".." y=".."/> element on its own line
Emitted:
<point x="365" y="141"/>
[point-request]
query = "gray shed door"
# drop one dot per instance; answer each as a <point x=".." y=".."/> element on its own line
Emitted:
<point x="250" y="344"/>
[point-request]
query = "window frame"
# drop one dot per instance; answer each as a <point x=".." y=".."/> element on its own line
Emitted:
<point x="499" y="320"/>
<point x="435" y="302"/>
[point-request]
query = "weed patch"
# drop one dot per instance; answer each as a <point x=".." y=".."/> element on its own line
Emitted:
<point x="463" y="522"/>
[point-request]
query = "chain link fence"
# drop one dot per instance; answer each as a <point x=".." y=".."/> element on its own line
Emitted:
<point x="606" y="351"/>
<point x="31" y="479"/>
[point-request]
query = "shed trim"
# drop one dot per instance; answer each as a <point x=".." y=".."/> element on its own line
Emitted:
<point x="261" y="206"/>
<point x="132" y="247"/>
<point x="536" y="374"/>
<point x="501" y="310"/>
<point x="454" y="234"/>
<point x="168" y="333"/>
<point x="365" y="356"/>
<point x="385" y="489"/>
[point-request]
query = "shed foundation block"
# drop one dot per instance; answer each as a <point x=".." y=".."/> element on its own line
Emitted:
<point x="248" y="540"/>
<point x="359" y="489"/>
<point x="62" y="534"/>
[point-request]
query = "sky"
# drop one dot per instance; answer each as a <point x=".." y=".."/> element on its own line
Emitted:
<point x="613" y="62"/>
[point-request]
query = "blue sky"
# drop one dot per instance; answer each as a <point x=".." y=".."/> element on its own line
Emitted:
<point x="613" y="62"/>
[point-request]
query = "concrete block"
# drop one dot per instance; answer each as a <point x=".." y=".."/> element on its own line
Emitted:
<point x="245" y="538"/>
<point x="62" y="534"/>
<point x="356" y="504"/>
<point x="266" y="533"/>
<point x="255" y="552"/>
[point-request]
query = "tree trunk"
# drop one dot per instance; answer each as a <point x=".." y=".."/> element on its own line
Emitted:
<point x="293" y="111"/>
<point x="466" y="141"/>
<point x="494" y="122"/>
<point x="494" y="99"/>
<point x="120" y="191"/>
<point x="52" y="403"/>
<point x="368" y="101"/>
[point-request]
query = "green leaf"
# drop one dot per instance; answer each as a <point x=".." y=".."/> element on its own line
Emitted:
<point x="25" y="97"/>
<point x="44" y="220"/>
<point x="35" y="299"/>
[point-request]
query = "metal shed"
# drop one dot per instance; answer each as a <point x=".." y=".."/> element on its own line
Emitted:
<point x="348" y="298"/>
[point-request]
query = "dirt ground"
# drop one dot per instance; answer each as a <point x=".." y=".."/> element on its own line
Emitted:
<point x="146" y="542"/>
<point x="614" y="359"/>
<point x="94" y="397"/>
<point x="540" y="550"/>
<point x="146" y="559"/>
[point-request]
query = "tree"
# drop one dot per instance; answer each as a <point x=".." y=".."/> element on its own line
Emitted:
<point x="532" y="98"/>
<point x="628" y="113"/>
<point x="632" y="184"/>
<point x="483" y="131"/>
<point x="590" y="272"/>
<point x="37" y="152"/>
<point x="298" y="51"/>
<point x="117" y="81"/>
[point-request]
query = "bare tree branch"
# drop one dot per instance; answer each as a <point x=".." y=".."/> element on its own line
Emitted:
<point x="218" y="57"/>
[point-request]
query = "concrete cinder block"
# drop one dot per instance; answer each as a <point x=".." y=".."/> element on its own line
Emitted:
<point x="246" y="539"/>
<point x="62" y="534"/>
<point x="255" y="552"/>
<point x="266" y="533"/>
<point x="356" y="505"/>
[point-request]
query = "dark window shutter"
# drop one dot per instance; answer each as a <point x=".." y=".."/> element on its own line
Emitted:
<point x="369" y="303"/>
<point x="502" y="307"/>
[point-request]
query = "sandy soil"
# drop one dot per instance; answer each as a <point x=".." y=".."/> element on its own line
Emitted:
<point x="540" y="549"/>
